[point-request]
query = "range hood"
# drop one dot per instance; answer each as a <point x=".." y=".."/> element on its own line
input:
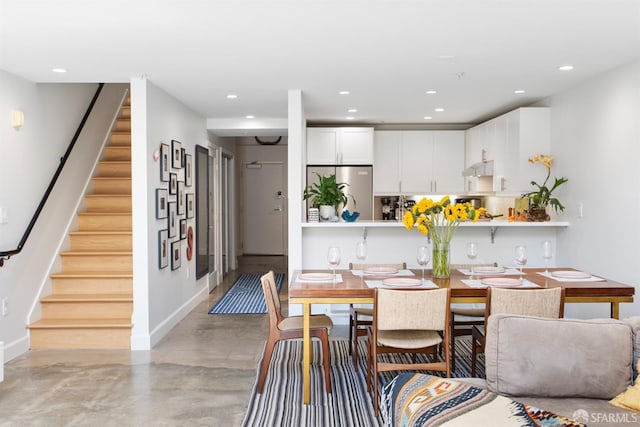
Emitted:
<point x="479" y="169"/>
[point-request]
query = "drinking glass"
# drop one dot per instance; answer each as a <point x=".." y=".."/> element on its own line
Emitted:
<point x="472" y="250"/>
<point x="520" y="257"/>
<point x="333" y="258"/>
<point x="546" y="254"/>
<point x="423" y="258"/>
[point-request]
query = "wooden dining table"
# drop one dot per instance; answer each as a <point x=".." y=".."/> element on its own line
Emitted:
<point x="352" y="289"/>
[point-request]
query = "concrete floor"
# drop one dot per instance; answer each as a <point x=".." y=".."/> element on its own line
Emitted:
<point x="200" y="374"/>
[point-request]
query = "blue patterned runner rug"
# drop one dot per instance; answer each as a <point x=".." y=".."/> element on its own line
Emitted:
<point x="245" y="296"/>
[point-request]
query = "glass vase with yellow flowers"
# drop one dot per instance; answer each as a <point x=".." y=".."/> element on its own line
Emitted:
<point x="439" y="220"/>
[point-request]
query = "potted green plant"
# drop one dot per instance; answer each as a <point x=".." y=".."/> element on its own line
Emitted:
<point x="327" y="192"/>
<point x="541" y="197"/>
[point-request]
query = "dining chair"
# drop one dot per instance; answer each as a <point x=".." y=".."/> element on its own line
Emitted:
<point x="526" y="302"/>
<point x="287" y="328"/>
<point x="360" y="318"/>
<point x="464" y="316"/>
<point x="408" y="321"/>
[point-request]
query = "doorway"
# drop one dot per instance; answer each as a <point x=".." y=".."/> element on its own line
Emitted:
<point x="264" y="210"/>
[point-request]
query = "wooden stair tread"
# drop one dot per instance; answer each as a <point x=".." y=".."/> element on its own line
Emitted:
<point x="81" y="323"/>
<point x="111" y="178"/>
<point x="100" y="232"/>
<point x="128" y="297"/>
<point x="108" y="195"/>
<point x="118" y="213"/>
<point x="93" y="275"/>
<point x="94" y="253"/>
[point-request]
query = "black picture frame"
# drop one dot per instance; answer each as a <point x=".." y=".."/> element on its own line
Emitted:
<point x="172" y="222"/>
<point x="190" y="205"/>
<point x="183" y="229"/>
<point x="188" y="170"/>
<point x="180" y="198"/>
<point x="176" y="254"/>
<point x="176" y="157"/>
<point x="165" y="164"/>
<point x="161" y="203"/>
<point x="173" y="183"/>
<point x="163" y="249"/>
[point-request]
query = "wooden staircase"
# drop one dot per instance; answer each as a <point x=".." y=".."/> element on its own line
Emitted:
<point x="92" y="296"/>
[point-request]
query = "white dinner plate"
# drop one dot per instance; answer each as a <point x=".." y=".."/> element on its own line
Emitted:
<point x="315" y="277"/>
<point x="571" y="274"/>
<point x="380" y="270"/>
<point x="487" y="269"/>
<point x="402" y="282"/>
<point x="501" y="282"/>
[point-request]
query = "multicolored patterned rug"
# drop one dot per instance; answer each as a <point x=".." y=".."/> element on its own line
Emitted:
<point x="245" y="296"/>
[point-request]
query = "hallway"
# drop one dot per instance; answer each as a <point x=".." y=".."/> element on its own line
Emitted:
<point x="200" y="374"/>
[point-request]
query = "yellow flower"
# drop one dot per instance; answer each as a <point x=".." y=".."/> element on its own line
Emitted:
<point x="541" y="197"/>
<point x="450" y="213"/>
<point x="408" y="220"/>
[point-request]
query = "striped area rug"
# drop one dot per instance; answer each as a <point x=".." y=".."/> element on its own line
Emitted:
<point x="348" y="404"/>
<point x="245" y="296"/>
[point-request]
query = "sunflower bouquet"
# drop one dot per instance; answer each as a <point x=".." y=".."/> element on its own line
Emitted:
<point x="439" y="220"/>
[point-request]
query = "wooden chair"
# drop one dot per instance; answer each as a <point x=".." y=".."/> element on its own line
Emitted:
<point x="286" y="328"/>
<point x="360" y="318"/>
<point x="408" y="321"/>
<point x="464" y="316"/>
<point x="527" y="302"/>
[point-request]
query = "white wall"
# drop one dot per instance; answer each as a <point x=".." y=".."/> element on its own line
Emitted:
<point x="595" y="132"/>
<point x="158" y="118"/>
<point x="30" y="157"/>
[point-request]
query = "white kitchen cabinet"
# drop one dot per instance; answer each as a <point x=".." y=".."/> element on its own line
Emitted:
<point x="418" y="162"/>
<point x="340" y="146"/>
<point x="509" y="140"/>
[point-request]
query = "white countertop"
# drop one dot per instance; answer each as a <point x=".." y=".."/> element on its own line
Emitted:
<point x="398" y="224"/>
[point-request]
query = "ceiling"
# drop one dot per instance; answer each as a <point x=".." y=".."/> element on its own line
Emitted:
<point x="386" y="53"/>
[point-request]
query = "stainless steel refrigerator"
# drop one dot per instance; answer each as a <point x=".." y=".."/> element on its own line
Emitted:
<point x="360" y="180"/>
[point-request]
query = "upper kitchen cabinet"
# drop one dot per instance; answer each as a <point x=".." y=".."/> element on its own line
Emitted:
<point x="418" y="162"/>
<point x="340" y="146"/>
<point x="509" y="140"/>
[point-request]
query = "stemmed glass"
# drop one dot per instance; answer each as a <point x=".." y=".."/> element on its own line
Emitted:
<point x="520" y="258"/>
<point x="547" y="253"/>
<point x="423" y="258"/>
<point x="361" y="250"/>
<point x="472" y="250"/>
<point x="333" y="258"/>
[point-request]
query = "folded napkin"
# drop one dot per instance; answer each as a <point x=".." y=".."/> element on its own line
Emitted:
<point x="361" y="273"/>
<point x="572" y="279"/>
<point x="337" y="280"/>
<point x="507" y="272"/>
<point x="426" y="284"/>
<point x="478" y="284"/>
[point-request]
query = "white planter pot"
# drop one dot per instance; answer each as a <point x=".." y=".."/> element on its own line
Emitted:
<point x="327" y="213"/>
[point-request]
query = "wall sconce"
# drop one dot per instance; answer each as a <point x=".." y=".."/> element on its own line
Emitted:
<point x="17" y="119"/>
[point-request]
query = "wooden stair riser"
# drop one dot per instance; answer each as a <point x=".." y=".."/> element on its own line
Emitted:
<point x="111" y="185"/>
<point x="120" y="138"/>
<point x="108" y="203"/>
<point x="86" y="310"/>
<point x="80" y="338"/>
<point x="96" y="262"/>
<point x="125" y="112"/>
<point x="115" y="169"/>
<point x="123" y="125"/>
<point x="101" y="242"/>
<point x="117" y="153"/>
<point x="104" y="222"/>
<point x="90" y="285"/>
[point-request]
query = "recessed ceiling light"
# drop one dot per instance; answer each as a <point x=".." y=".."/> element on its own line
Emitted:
<point x="431" y="92"/>
<point x="250" y="117"/>
<point x="350" y="117"/>
<point x="232" y="96"/>
<point x="518" y="91"/>
<point x="344" y="92"/>
<point x="428" y="117"/>
<point x="352" y="110"/>
<point x="439" y="110"/>
<point x="59" y="70"/>
<point x="446" y="56"/>
<point x="566" y="68"/>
